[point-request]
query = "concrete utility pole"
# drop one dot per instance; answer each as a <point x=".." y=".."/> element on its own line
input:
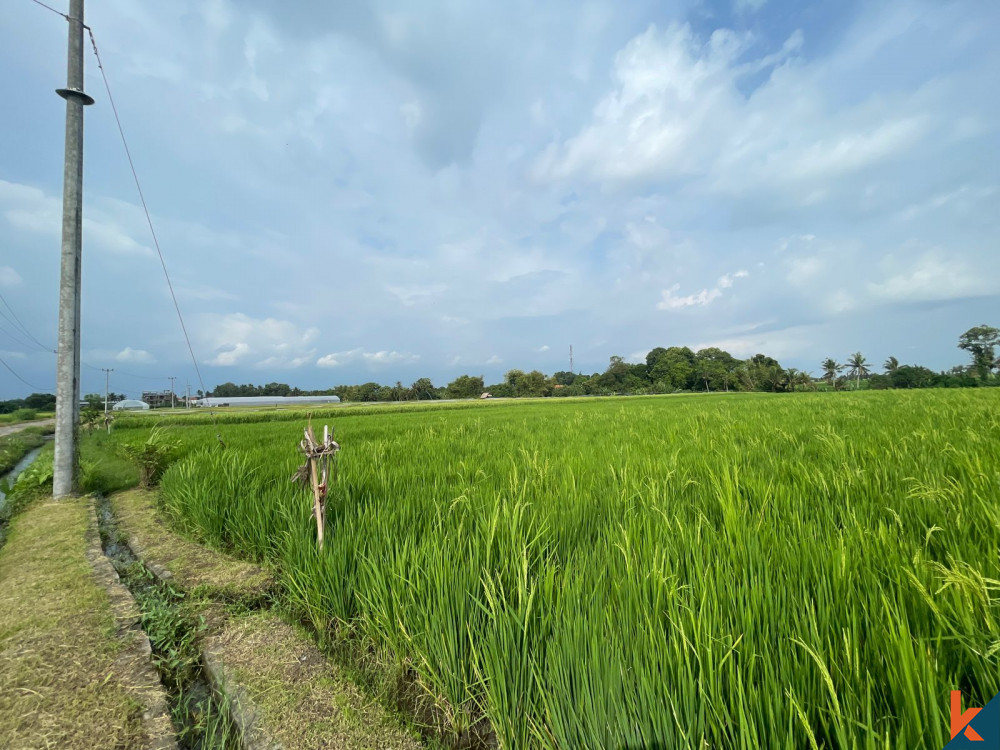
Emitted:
<point x="64" y="461"/>
<point x="187" y="401"/>
<point x="571" y="358"/>
<point x="172" y="378"/>
<point x="107" y="376"/>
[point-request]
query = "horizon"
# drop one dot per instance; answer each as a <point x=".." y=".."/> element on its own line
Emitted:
<point x="370" y="193"/>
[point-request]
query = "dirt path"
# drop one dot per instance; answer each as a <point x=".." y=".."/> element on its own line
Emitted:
<point x="284" y="692"/>
<point x="73" y="670"/>
<point x="10" y="429"/>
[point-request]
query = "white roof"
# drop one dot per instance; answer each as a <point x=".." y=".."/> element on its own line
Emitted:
<point x="266" y="400"/>
<point x="131" y="403"/>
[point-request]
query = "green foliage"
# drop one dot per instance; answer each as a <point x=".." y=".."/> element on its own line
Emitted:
<point x="465" y="386"/>
<point x="36" y="401"/>
<point x="152" y="456"/>
<point x="31" y="484"/>
<point x="981" y="342"/>
<point x="748" y="571"/>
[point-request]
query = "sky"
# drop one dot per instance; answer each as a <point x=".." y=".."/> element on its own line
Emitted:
<point x="359" y="191"/>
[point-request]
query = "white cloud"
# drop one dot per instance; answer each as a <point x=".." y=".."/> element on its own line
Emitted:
<point x="30" y="209"/>
<point x="13" y="355"/>
<point x="669" y="300"/>
<point x="542" y="348"/>
<point x="678" y="112"/>
<point x="9" y="277"/>
<point x="748" y="6"/>
<point x="379" y="358"/>
<point x="932" y="276"/>
<point x="494" y="360"/>
<point x="412" y="294"/>
<point x="138" y="356"/>
<point x="235" y="338"/>
<point x="804" y="270"/>
<point x="231" y="356"/>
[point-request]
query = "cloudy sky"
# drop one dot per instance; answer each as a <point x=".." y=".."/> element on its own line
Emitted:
<point x="361" y="191"/>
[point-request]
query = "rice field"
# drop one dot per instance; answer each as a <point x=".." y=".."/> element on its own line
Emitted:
<point x="745" y="571"/>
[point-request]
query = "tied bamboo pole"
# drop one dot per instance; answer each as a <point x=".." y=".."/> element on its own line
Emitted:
<point x="316" y="472"/>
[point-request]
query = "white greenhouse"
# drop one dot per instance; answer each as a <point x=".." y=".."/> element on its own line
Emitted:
<point x="266" y="400"/>
<point x="130" y="404"/>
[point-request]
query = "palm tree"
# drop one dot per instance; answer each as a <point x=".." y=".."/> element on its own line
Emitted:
<point x="805" y="379"/>
<point x="858" y="366"/>
<point x="890" y="366"/>
<point x="830" y="369"/>
<point x="791" y="378"/>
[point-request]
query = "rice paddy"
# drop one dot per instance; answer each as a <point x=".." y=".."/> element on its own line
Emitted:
<point x="746" y="571"/>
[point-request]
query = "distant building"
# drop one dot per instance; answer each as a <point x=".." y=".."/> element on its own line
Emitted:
<point x="130" y="404"/>
<point x="266" y="400"/>
<point x="159" y="398"/>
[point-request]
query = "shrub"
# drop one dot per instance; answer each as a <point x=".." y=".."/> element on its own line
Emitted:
<point x="151" y="457"/>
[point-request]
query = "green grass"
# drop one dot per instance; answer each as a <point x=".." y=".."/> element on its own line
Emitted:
<point x="738" y="571"/>
<point x="15" y="447"/>
<point x="62" y="683"/>
<point x="192" y="568"/>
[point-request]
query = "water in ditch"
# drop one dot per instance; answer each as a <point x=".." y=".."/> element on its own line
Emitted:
<point x="9" y="478"/>
<point x="201" y="716"/>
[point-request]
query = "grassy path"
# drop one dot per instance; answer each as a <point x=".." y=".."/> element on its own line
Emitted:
<point x="281" y="689"/>
<point x="11" y="429"/>
<point x="70" y="670"/>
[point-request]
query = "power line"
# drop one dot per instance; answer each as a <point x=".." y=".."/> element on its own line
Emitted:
<point x="14" y="336"/>
<point x="57" y="12"/>
<point x="145" y="208"/>
<point x="30" y="385"/>
<point x="16" y="322"/>
<point x="149" y="221"/>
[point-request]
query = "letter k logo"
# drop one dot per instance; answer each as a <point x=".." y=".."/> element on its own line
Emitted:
<point x="960" y="721"/>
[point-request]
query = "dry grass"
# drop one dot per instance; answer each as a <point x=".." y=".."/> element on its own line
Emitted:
<point x="299" y="699"/>
<point x="187" y="565"/>
<point x="59" y="687"/>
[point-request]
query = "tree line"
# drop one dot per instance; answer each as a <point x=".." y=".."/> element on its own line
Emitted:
<point x="677" y="369"/>
<point x="665" y="370"/>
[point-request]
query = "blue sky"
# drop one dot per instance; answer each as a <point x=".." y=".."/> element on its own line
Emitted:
<point x="386" y="190"/>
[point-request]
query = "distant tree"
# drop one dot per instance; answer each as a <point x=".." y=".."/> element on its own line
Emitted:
<point x="564" y="377"/>
<point x="94" y="400"/>
<point x="613" y="379"/>
<point x="761" y="372"/>
<point x="712" y="368"/>
<point x="532" y="384"/>
<point x="226" y="390"/>
<point x="423" y="390"/>
<point x="512" y="378"/>
<point x="674" y="369"/>
<point x="41" y="401"/>
<point x="912" y="376"/>
<point x="830" y="370"/>
<point x="981" y="342"/>
<point x="500" y="390"/>
<point x="857" y="367"/>
<point x="890" y="365"/>
<point x="276" y="389"/>
<point x="465" y="386"/>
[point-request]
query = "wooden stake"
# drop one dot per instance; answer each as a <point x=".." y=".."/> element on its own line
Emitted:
<point x="315" y="472"/>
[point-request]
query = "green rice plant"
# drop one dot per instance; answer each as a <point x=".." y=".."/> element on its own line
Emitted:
<point x="742" y="570"/>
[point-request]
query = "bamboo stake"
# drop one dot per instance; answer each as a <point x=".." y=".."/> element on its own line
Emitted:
<point x="315" y="472"/>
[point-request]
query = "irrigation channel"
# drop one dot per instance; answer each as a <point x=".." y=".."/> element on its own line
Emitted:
<point x="7" y="480"/>
<point x="200" y="715"/>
